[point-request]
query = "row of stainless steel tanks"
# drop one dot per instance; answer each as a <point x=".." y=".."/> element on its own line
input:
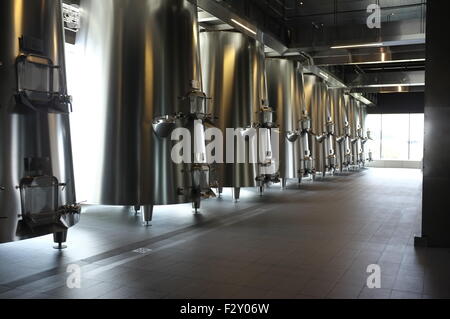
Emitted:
<point x="144" y="71"/>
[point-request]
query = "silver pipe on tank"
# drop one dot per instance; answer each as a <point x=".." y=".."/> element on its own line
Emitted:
<point x="267" y="129"/>
<point x="306" y="161"/>
<point x="361" y="137"/>
<point x="307" y="127"/>
<point x="37" y="191"/>
<point x="312" y="102"/>
<point x="327" y="136"/>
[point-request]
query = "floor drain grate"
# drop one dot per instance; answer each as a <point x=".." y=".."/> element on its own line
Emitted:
<point x="142" y="251"/>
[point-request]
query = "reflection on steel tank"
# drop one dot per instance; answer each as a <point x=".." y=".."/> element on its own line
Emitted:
<point x="37" y="193"/>
<point x="138" y="80"/>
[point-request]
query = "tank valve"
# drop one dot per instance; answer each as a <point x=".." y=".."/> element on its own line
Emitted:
<point x="330" y="128"/>
<point x="266" y="117"/>
<point x="164" y="126"/>
<point x="292" y="136"/>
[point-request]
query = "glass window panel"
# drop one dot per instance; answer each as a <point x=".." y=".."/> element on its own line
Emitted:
<point x="395" y="137"/>
<point x="416" y="137"/>
<point x="373" y="124"/>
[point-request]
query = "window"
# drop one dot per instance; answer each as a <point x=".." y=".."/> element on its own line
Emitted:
<point x="396" y="136"/>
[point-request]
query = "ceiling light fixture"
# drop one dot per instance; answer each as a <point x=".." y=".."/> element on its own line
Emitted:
<point x="365" y="45"/>
<point x="394" y="85"/>
<point x="243" y="26"/>
<point x="387" y="61"/>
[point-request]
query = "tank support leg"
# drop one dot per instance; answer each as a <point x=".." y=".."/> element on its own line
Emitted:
<point x="236" y="194"/>
<point x="283" y="182"/>
<point x="261" y="190"/>
<point x="196" y="204"/>
<point x="137" y="209"/>
<point x="147" y="215"/>
<point x="60" y="238"/>
<point x="220" y="191"/>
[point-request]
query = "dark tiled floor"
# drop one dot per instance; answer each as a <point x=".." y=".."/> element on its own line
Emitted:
<point x="315" y="242"/>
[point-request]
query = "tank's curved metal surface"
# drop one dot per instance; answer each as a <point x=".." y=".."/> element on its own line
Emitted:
<point x="234" y="76"/>
<point x="286" y="97"/>
<point x="143" y="66"/>
<point x="37" y="193"/>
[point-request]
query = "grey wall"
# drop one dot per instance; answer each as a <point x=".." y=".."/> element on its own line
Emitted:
<point x="397" y="103"/>
<point x="436" y="189"/>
